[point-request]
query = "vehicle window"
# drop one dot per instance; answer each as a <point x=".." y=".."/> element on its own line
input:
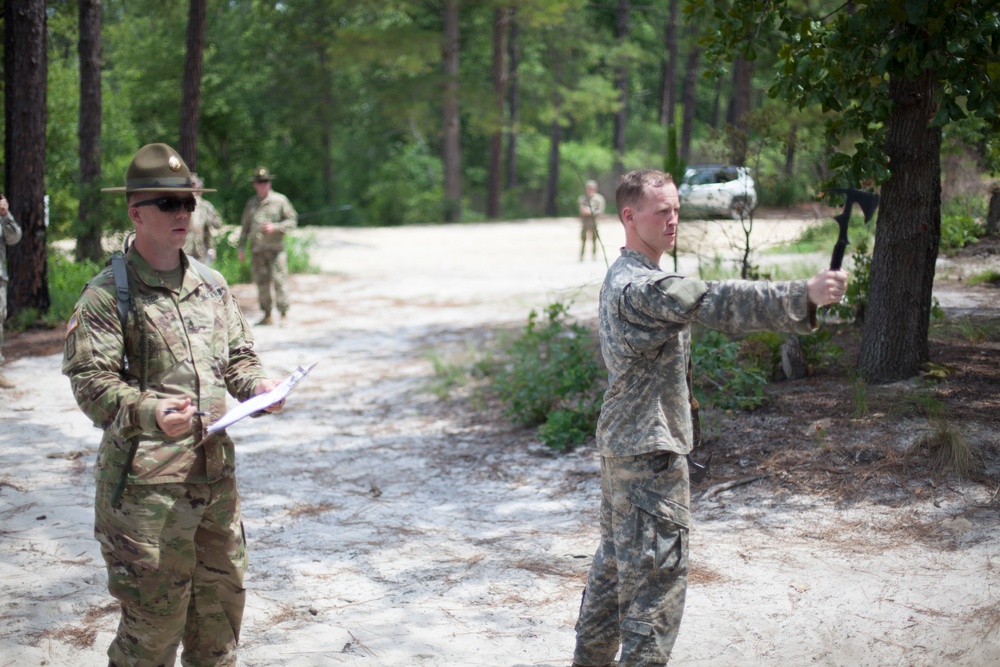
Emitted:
<point x="727" y="175"/>
<point x="702" y="177"/>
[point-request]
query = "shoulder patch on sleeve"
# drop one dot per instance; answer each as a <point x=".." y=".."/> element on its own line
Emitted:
<point x="687" y="292"/>
<point x="73" y="323"/>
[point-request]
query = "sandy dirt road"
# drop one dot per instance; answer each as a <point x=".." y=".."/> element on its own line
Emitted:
<point x="385" y="531"/>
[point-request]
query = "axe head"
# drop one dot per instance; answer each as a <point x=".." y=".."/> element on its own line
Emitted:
<point x="868" y="201"/>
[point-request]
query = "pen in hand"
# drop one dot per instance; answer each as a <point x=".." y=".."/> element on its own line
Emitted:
<point x="198" y="413"/>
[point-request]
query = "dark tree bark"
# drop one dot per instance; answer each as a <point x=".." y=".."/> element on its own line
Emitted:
<point x="552" y="188"/>
<point x="452" y="127"/>
<point x="791" y="143"/>
<point x="690" y="102"/>
<point x="993" y="213"/>
<point x="25" y="75"/>
<point x="191" y="90"/>
<point x="325" y="120"/>
<point x="495" y="177"/>
<point x="894" y="342"/>
<point x="513" y="99"/>
<point x="668" y="100"/>
<point x="621" y="83"/>
<point x="88" y="243"/>
<point x="739" y="107"/>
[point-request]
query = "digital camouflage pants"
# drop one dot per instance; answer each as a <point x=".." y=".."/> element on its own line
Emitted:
<point x="175" y="555"/>
<point x="270" y="267"/>
<point x="638" y="579"/>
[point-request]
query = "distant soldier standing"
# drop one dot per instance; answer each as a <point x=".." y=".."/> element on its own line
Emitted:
<point x="11" y="236"/>
<point x="152" y="370"/>
<point x="204" y="221"/>
<point x="591" y="205"/>
<point x="638" y="579"/>
<point x="267" y="217"/>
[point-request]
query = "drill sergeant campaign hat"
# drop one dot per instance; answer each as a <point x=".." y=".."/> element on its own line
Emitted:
<point x="261" y="174"/>
<point x="158" y="168"/>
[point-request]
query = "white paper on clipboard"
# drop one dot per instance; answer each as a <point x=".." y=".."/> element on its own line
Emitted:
<point x="262" y="401"/>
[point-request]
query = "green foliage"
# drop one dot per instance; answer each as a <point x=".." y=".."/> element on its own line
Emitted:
<point x="958" y="231"/>
<point x="727" y="375"/>
<point x="551" y="378"/>
<point x="988" y="277"/>
<point x="227" y="260"/>
<point x="406" y="189"/>
<point x="855" y="302"/>
<point x="67" y="279"/>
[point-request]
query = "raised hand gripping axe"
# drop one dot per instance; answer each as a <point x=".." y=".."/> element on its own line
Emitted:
<point x="868" y="201"/>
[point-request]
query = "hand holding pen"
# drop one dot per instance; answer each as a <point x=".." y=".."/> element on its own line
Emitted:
<point x="174" y="416"/>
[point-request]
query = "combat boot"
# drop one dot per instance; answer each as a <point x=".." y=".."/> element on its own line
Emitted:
<point x="5" y="383"/>
<point x="267" y="319"/>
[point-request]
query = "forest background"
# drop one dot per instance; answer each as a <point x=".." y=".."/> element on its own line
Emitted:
<point x="400" y="112"/>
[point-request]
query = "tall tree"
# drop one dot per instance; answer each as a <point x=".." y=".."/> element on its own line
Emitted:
<point x="25" y="70"/>
<point x="621" y="83"/>
<point x="690" y="102"/>
<point x="452" y="123"/>
<point x="88" y="244"/>
<point x="669" y="98"/>
<point x="891" y="74"/>
<point x="191" y="88"/>
<point x="513" y="97"/>
<point x="501" y="20"/>
<point x="739" y="107"/>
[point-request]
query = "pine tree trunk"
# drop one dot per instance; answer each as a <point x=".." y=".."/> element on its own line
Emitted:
<point x="191" y="86"/>
<point x="25" y="74"/>
<point x="669" y="98"/>
<point x="452" y="127"/>
<point x="495" y="177"/>
<point x="552" y="189"/>
<point x="993" y="213"/>
<point x="513" y="99"/>
<point x="621" y="83"/>
<point x="88" y="243"/>
<point x="894" y="342"/>
<point x="690" y="103"/>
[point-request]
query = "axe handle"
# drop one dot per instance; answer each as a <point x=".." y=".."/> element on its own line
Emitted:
<point x="837" y="260"/>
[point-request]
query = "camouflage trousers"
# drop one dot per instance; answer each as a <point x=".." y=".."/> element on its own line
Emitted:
<point x="588" y="229"/>
<point x="638" y="579"/>
<point x="270" y="267"/>
<point x="175" y="555"/>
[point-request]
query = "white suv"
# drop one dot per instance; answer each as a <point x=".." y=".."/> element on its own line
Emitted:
<point x="718" y="189"/>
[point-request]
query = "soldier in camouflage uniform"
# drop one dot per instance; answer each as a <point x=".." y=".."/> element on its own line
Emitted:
<point x="173" y="543"/>
<point x="204" y="221"/>
<point x="11" y="235"/>
<point x="591" y="205"/>
<point x="634" y="596"/>
<point x="267" y="217"/>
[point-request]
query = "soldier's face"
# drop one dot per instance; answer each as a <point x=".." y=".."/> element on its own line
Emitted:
<point x="652" y="224"/>
<point x="166" y="229"/>
<point x="262" y="188"/>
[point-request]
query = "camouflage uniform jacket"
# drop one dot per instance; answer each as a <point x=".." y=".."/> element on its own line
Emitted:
<point x="274" y="208"/>
<point x="204" y="220"/>
<point x="11" y="235"/>
<point x="199" y="346"/>
<point x="645" y="318"/>
<point x="594" y="206"/>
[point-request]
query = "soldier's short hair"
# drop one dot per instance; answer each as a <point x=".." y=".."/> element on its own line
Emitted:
<point x="632" y="186"/>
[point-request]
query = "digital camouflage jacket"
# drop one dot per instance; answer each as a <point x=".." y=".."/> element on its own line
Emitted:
<point x="645" y="318"/>
<point x="199" y="346"/>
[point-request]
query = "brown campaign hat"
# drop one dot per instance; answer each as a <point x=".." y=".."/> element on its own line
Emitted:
<point x="262" y="174"/>
<point x="158" y="167"/>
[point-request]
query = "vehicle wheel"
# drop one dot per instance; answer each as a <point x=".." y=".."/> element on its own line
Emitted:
<point x="739" y="208"/>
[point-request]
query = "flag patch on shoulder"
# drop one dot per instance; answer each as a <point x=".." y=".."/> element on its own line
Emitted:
<point x="73" y="323"/>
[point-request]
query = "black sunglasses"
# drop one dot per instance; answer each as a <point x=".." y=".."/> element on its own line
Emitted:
<point x="170" y="204"/>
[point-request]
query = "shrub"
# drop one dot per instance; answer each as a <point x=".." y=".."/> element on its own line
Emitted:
<point x="726" y="375"/>
<point x="958" y="231"/>
<point x="551" y="378"/>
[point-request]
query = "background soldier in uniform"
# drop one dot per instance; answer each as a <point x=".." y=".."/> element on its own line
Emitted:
<point x="591" y="205"/>
<point x="204" y="221"/>
<point x="173" y="540"/>
<point x="638" y="579"/>
<point x="11" y="235"/>
<point x="267" y="217"/>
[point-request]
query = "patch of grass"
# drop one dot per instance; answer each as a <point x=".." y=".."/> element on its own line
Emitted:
<point x="822" y="236"/>
<point x="971" y="329"/>
<point x="949" y="451"/>
<point x="988" y="277"/>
